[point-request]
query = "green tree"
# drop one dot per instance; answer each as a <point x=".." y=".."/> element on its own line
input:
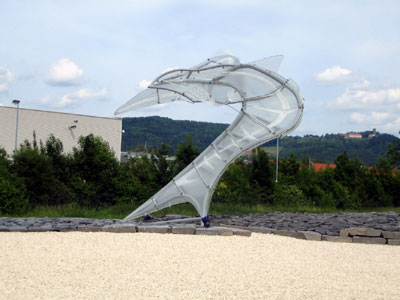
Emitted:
<point x="139" y="179"/>
<point x="186" y="154"/>
<point x="261" y="174"/>
<point x="162" y="168"/>
<point x="289" y="169"/>
<point x="348" y="171"/>
<point x="94" y="162"/>
<point x="235" y="186"/>
<point x="394" y="153"/>
<point x="61" y="163"/>
<point x="12" y="188"/>
<point x="35" y="169"/>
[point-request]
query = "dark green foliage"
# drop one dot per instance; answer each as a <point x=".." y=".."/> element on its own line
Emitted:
<point x="12" y="189"/>
<point x="366" y="189"/>
<point x="289" y="169"/>
<point x="4" y="162"/>
<point x="326" y="148"/>
<point x="393" y="154"/>
<point x="348" y="171"/>
<point x="36" y="170"/>
<point x="12" y="194"/>
<point x="153" y="131"/>
<point x="40" y="174"/>
<point x="164" y="171"/>
<point x="389" y="180"/>
<point x="351" y="185"/>
<point x="261" y="174"/>
<point x="235" y="186"/>
<point x="95" y="163"/>
<point x="186" y="154"/>
<point x="289" y="195"/>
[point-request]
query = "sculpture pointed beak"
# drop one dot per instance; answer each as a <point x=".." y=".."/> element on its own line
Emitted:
<point x="146" y="98"/>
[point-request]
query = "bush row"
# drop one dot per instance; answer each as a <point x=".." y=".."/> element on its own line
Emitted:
<point x="92" y="177"/>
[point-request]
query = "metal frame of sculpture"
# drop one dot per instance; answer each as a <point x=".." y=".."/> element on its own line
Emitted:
<point x="271" y="108"/>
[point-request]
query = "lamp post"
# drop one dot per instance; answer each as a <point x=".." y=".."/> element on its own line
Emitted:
<point x="277" y="159"/>
<point x="16" y="102"/>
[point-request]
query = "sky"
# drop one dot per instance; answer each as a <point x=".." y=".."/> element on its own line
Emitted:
<point x="90" y="57"/>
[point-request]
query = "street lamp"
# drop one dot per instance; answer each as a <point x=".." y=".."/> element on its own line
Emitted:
<point x="16" y="102"/>
<point x="277" y="159"/>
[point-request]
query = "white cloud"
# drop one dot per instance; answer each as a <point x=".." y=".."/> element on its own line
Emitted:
<point x="358" y="117"/>
<point x="362" y="99"/>
<point x="6" y="76"/>
<point x="363" y="83"/>
<point x="144" y="83"/>
<point x="366" y="107"/>
<point x="332" y="75"/>
<point x="391" y="126"/>
<point x="91" y="94"/>
<point x="373" y="118"/>
<point x="82" y="94"/>
<point x="64" y="73"/>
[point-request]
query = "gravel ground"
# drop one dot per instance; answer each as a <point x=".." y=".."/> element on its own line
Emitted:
<point x="76" y="265"/>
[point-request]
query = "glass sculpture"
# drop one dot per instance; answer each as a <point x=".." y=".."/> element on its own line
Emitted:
<point x="271" y="107"/>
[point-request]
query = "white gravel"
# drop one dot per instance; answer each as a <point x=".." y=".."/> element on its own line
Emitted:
<point x="79" y="265"/>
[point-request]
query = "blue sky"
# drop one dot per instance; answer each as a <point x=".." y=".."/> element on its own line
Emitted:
<point x="90" y="57"/>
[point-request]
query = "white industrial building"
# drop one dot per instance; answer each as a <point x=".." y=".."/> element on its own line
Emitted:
<point x="67" y="127"/>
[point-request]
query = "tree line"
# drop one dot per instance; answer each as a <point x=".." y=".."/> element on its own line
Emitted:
<point x="91" y="176"/>
<point x="153" y="131"/>
<point x="350" y="185"/>
<point x="327" y="147"/>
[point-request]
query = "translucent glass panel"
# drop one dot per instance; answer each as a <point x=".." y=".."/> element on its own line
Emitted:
<point x="271" y="107"/>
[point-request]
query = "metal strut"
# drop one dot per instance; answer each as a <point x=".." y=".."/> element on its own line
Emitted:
<point x="218" y="153"/>
<point x="234" y="139"/>
<point x="201" y="177"/>
<point x="155" y="203"/>
<point x="177" y="186"/>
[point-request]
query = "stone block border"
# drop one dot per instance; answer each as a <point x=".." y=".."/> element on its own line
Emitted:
<point x="174" y="229"/>
<point x="362" y="234"/>
<point x="349" y="235"/>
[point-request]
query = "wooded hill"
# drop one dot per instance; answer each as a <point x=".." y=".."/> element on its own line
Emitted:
<point x="326" y="148"/>
<point x="153" y="131"/>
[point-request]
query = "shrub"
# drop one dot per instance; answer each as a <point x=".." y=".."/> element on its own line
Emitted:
<point x="12" y="194"/>
<point x="287" y="195"/>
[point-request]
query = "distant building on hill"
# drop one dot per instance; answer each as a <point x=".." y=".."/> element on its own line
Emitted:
<point x="373" y="134"/>
<point x="352" y="135"/>
<point x="66" y="127"/>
